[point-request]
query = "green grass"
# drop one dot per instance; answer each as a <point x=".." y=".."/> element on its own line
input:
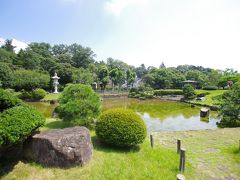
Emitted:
<point x="209" y="98"/>
<point x="51" y="96"/>
<point x="210" y="154"/>
<point x="141" y="162"/>
<point x="214" y="154"/>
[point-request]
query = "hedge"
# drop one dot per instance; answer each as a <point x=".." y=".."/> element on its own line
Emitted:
<point x="167" y="92"/>
<point x="8" y="100"/>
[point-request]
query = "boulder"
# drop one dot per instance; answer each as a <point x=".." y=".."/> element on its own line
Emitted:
<point x="60" y="147"/>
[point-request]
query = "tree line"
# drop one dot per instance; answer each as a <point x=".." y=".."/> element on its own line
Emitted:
<point x="33" y="67"/>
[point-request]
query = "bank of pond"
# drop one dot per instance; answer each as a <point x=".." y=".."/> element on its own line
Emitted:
<point x="158" y="115"/>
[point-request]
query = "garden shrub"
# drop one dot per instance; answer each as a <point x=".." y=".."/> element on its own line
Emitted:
<point x="38" y="94"/>
<point x="210" y="88"/>
<point x="121" y="127"/>
<point x="79" y="104"/>
<point x="230" y="108"/>
<point x="188" y="91"/>
<point x="8" y="100"/>
<point x="25" y="95"/>
<point x="17" y="123"/>
<point x="167" y="92"/>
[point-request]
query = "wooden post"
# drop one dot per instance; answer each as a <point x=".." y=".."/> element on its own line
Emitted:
<point x="178" y="145"/>
<point x="181" y="177"/>
<point x="182" y="160"/>
<point x="151" y="140"/>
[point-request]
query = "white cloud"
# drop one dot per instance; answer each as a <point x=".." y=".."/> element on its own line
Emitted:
<point x="117" y="6"/>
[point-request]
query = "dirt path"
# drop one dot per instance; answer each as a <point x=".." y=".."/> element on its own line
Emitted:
<point x="213" y="153"/>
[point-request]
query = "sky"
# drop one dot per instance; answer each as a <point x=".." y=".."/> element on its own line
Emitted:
<point x="197" y="32"/>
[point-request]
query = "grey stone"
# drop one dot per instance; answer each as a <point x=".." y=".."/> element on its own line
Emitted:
<point x="60" y="147"/>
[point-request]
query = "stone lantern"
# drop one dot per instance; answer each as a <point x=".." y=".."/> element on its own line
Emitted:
<point x="55" y="82"/>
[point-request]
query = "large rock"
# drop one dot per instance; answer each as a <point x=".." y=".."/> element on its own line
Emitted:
<point x="60" y="147"/>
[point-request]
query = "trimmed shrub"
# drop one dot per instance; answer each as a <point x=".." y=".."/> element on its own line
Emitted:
<point x="8" y="100"/>
<point x="17" y="123"/>
<point x="38" y="94"/>
<point x="121" y="127"/>
<point x="167" y="92"/>
<point x="210" y="88"/>
<point x="79" y="104"/>
<point x="188" y="91"/>
<point x="25" y="95"/>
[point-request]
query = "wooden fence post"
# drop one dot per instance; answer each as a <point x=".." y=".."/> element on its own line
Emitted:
<point x="182" y="160"/>
<point x="151" y="140"/>
<point x="178" y="146"/>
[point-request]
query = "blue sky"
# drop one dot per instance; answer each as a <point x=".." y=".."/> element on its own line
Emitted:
<point x="198" y="32"/>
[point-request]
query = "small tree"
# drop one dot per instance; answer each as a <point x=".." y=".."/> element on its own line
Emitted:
<point x="230" y="110"/>
<point x="188" y="91"/>
<point x="79" y="104"/>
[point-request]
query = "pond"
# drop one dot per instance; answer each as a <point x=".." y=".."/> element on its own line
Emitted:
<point x="158" y="115"/>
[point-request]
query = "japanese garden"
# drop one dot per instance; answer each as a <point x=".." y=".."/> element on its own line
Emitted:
<point x="65" y="115"/>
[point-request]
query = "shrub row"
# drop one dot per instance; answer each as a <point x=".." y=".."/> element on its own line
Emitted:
<point x="37" y="94"/>
<point x="167" y="92"/>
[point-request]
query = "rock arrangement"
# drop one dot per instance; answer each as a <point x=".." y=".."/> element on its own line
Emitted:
<point x="60" y="147"/>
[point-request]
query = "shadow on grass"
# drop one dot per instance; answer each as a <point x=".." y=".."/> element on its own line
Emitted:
<point x="6" y="166"/>
<point x="100" y="146"/>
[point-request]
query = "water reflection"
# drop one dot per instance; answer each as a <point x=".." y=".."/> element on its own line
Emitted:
<point x="165" y="115"/>
<point x="158" y="115"/>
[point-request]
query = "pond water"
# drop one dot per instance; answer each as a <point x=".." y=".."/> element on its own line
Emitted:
<point x="158" y="115"/>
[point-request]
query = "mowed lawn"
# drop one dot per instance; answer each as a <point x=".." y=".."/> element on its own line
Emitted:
<point x="141" y="162"/>
<point x="210" y="98"/>
<point x="210" y="154"/>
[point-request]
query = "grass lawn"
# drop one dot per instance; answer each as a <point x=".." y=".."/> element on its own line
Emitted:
<point x="209" y="98"/>
<point x="214" y="154"/>
<point x="108" y="163"/>
<point x="211" y="154"/>
<point x="51" y="96"/>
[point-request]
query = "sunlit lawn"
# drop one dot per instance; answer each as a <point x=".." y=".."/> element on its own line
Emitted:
<point x="141" y="162"/>
<point x="209" y="98"/>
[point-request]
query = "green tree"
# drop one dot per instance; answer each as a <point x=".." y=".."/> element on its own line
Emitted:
<point x="130" y="77"/>
<point x="83" y="76"/>
<point x="8" y="46"/>
<point x="59" y="49"/>
<point x="42" y="49"/>
<point x="230" y="110"/>
<point x="103" y="76"/>
<point x="30" y="80"/>
<point x="141" y="71"/>
<point x="79" y="104"/>
<point x="6" y="75"/>
<point x="64" y="71"/>
<point x="28" y="59"/>
<point x="6" y="56"/>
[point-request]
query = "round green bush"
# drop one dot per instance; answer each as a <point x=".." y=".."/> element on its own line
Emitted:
<point x="17" y="123"/>
<point x="121" y="127"/>
<point x="8" y="100"/>
<point x="38" y="94"/>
